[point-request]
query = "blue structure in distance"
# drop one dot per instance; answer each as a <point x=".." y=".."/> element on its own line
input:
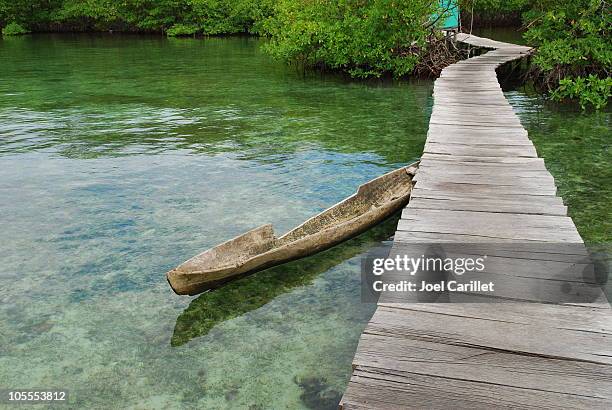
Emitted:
<point x="450" y="18"/>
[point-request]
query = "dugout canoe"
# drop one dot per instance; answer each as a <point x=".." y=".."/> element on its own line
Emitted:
<point x="259" y="249"/>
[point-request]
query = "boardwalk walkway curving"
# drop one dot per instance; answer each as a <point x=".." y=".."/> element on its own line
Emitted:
<point x="480" y="181"/>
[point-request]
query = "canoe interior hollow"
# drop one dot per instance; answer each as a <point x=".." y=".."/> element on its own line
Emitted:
<point x="260" y="248"/>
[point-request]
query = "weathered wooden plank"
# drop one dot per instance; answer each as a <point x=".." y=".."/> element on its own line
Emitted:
<point x="470" y="70"/>
<point x="459" y="118"/>
<point x="457" y="203"/>
<point x="475" y="111"/>
<point x="444" y="237"/>
<point x="478" y="168"/>
<point x="489" y="80"/>
<point x="500" y="47"/>
<point x="467" y="170"/>
<point x="467" y="85"/>
<point x="458" y="92"/>
<point x="507" y="179"/>
<point x="486" y="366"/>
<point x="484" y="139"/>
<point x="457" y="187"/>
<point x="466" y="122"/>
<point x="530" y="277"/>
<point x="489" y="150"/>
<point x="584" y="319"/>
<point x="483" y="175"/>
<point x="475" y="361"/>
<point x="466" y="131"/>
<point x="472" y="110"/>
<point x="504" y="168"/>
<point x="466" y="100"/>
<point x="379" y="389"/>
<point x="507" y="288"/>
<point x="528" y="204"/>
<point x="483" y="77"/>
<point x="473" y="140"/>
<point x="482" y="186"/>
<point x="493" y="151"/>
<point x="491" y="225"/>
<point x="504" y="334"/>
<point x="477" y="133"/>
<point x="472" y="132"/>
<point x="498" y="161"/>
<point x="546" y="251"/>
<point x="482" y="98"/>
<point x="503" y="113"/>
<point x="480" y="62"/>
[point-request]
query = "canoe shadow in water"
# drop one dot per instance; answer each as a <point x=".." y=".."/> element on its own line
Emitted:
<point x="252" y="292"/>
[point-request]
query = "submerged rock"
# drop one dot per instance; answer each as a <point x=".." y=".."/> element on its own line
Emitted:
<point x="317" y="394"/>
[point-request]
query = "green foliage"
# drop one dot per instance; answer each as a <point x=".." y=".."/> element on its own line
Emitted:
<point x="591" y="91"/>
<point x="102" y="10"/>
<point x="253" y="13"/>
<point x="362" y="37"/>
<point x="179" y="30"/>
<point x="180" y="17"/>
<point x="574" y="55"/>
<point x="27" y="13"/>
<point x="14" y="29"/>
<point x="494" y="9"/>
<point x="492" y="13"/>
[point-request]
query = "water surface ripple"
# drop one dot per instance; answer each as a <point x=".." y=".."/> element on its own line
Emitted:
<point x="120" y="157"/>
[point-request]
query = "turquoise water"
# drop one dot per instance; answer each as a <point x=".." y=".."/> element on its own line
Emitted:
<point x="120" y="157"/>
<point x="575" y="145"/>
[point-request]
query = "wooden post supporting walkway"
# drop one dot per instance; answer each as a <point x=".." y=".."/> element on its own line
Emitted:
<point x="480" y="180"/>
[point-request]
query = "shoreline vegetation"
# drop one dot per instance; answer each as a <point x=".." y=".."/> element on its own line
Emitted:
<point x="376" y="38"/>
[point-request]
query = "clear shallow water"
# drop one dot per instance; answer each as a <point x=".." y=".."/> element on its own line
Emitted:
<point x="576" y="148"/>
<point x="123" y="156"/>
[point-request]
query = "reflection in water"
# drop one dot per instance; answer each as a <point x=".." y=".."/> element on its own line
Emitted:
<point x="256" y="290"/>
<point x="152" y="95"/>
<point x="122" y="156"/>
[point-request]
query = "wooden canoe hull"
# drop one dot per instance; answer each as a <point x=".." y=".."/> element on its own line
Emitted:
<point x="193" y="276"/>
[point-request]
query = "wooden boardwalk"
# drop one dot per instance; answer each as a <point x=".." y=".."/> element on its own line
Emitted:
<point x="480" y="181"/>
